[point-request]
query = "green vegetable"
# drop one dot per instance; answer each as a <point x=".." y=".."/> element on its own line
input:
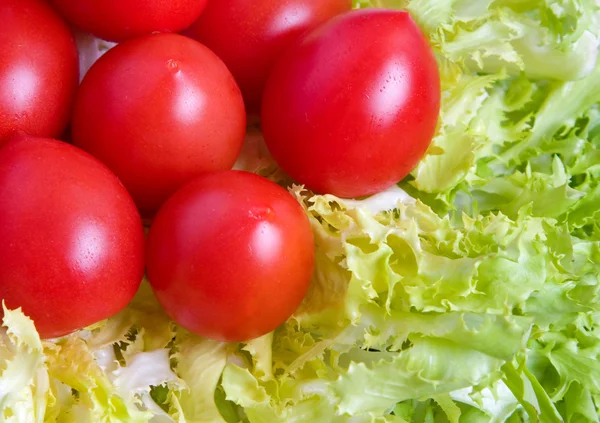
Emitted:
<point x="470" y="293"/>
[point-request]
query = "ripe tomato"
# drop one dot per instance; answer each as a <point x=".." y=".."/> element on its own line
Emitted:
<point x="352" y="108"/>
<point x="230" y="255"/>
<point x="249" y="35"/>
<point x="72" y="250"/>
<point x="159" y="110"/>
<point x="118" y="20"/>
<point x="38" y="70"/>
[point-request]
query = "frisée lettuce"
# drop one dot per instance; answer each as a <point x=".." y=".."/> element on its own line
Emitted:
<point x="468" y="293"/>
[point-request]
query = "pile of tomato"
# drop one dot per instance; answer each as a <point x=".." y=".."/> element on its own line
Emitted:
<point x="348" y="103"/>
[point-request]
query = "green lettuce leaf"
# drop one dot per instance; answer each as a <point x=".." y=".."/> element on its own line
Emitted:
<point x="200" y="363"/>
<point x="103" y="374"/>
<point x="24" y="382"/>
<point x="544" y="39"/>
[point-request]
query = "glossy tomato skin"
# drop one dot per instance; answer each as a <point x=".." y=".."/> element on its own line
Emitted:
<point x="230" y="256"/>
<point x="249" y="35"/>
<point x="72" y="250"/>
<point x="119" y="20"/>
<point x="39" y="70"/>
<point x="352" y="108"/>
<point x="159" y="110"/>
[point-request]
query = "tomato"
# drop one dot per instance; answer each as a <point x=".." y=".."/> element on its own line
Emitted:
<point x="72" y="250"/>
<point x="159" y="110"/>
<point x="230" y="255"/>
<point x="38" y="70"/>
<point x="249" y="35"/>
<point x="352" y="108"/>
<point x="118" y="20"/>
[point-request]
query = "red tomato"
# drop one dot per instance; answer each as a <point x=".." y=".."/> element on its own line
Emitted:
<point x="39" y="71"/>
<point x="118" y="20"/>
<point x="352" y="108"/>
<point x="249" y="35"/>
<point x="72" y="250"/>
<point x="230" y="255"/>
<point x="159" y="110"/>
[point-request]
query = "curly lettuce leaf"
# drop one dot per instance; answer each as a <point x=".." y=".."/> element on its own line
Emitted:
<point x="24" y="382"/>
<point x="544" y="39"/>
<point x="200" y="363"/>
<point x="105" y="373"/>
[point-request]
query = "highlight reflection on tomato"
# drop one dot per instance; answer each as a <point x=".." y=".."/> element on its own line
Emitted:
<point x="39" y="70"/>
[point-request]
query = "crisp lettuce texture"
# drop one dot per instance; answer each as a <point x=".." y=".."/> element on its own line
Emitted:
<point x="469" y="293"/>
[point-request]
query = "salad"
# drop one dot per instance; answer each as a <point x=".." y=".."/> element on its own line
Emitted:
<point x="469" y="292"/>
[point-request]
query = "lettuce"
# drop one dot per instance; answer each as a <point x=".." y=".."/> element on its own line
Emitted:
<point x="545" y="39"/>
<point x="91" y="376"/>
<point x="468" y="293"/>
<point x="24" y="391"/>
